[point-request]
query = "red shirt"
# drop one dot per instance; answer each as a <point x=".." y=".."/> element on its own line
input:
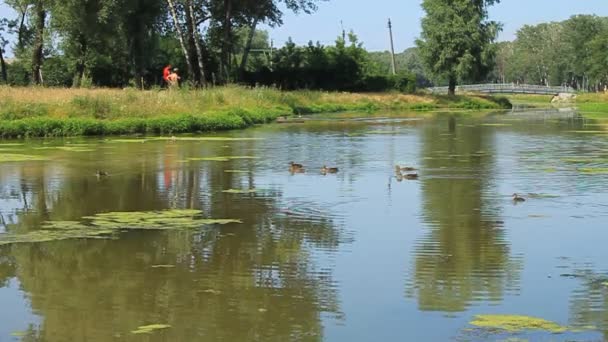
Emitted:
<point x="166" y="73"/>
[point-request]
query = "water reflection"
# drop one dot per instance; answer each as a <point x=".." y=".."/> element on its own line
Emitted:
<point x="259" y="280"/>
<point x="464" y="257"/>
<point x="589" y="301"/>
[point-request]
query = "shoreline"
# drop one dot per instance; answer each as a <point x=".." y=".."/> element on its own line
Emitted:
<point x="47" y="112"/>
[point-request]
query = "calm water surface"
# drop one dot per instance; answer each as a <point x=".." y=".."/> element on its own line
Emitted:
<point x="357" y="256"/>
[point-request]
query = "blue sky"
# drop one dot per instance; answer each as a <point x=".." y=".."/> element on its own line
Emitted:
<point x="368" y="19"/>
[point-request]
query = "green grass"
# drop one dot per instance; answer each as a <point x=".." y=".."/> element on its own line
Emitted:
<point x="48" y="112"/>
<point x="593" y="105"/>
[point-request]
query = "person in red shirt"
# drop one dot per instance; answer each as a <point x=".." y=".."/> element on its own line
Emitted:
<point x="166" y="73"/>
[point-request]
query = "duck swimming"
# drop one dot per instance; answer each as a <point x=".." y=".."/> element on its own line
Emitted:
<point x="326" y="169"/>
<point x="405" y="168"/>
<point x="100" y="173"/>
<point x="517" y="198"/>
<point x="295" y="165"/>
<point x="411" y="176"/>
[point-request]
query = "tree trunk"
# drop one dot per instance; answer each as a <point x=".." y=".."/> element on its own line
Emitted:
<point x="180" y="36"/>
<point x="80" y="63"/>
<point x="243" y="66"/>
<point x="3" y="67"/>
<point x="197" y="44"/>
<point x="226" y="44"/>
<point x="452" y="86"/>
<point x="38" y="43"/>
<point x="21" y="32"/>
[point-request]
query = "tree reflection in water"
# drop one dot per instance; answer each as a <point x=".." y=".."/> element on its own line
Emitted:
<point x="261" y="280"/>
<point x="464" y="257"/>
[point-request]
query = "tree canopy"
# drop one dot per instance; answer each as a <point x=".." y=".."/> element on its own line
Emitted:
<point x="571" y="52"/>
<point x="456" y="40"/>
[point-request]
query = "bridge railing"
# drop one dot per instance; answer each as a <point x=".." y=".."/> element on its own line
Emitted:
<point x="506" y="88"/>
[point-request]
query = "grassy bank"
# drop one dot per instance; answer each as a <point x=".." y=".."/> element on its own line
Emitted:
<point x="41" y="112"/>
<point x="594" y="105"/>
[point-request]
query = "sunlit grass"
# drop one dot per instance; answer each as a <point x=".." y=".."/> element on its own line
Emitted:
<point x="63" y="112"/>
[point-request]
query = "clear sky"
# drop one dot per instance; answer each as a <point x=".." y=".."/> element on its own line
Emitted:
<point x="369" y="19"/>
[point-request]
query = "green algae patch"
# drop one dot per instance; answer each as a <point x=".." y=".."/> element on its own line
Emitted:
<point x="240" y="191"/>
<point x="67" y="148"/>
<point x="496" y="125"/>
<point x="108" y="225"/>
<point x="541" y="196"/>
<point x="66" y="230"/>
<point x="384" y="132"/>
<point x="10" y="157"/>
<point x="148" y="329"/>
<point x="155" y="220"/>
<point x="222" y="158"/>
<point x="515" y="323"/>
<point x="588" y="132"/>
<point x="594" y="171"/>
<point x="141" y="141"/>
<point x="208" y="139"/>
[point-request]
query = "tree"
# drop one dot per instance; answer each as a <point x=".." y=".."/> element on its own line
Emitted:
<point x="3" y="43"/>
<point x="24" y="33"/>
<point x="38" y="53"/>
<point x="456" y="40"/>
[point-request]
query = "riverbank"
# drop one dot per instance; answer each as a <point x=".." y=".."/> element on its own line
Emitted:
<point x="593" y="105"/>
<point x="44" y="112"/>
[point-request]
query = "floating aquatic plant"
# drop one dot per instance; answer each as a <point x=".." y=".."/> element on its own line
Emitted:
<point x="589" y="132"/>
<point x="148" y="329"/>
<point x="106" y="225"/>
<point x="207" y="139"/>
<point x="9" y="157"/>
<point x="596" y="170"/>
<point x="515" y="323"/>
<point x="66" y="148"/>
<point x="141" y="141"/>
<point x="236" y="171"/>
<point x="154" y="220"/>
<point x="239" y="191"/>
<point x="222" y="158"/>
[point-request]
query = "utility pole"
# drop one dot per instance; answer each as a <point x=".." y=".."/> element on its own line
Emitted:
<point x="393" y="64"/>
<point x="343" y="31"/>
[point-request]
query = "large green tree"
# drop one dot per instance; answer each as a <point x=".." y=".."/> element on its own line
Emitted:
<point x="4" y="24"/>
<point x="456" y="40"/>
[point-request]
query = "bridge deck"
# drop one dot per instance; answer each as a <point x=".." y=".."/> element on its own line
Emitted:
<point x="508" y="88"/>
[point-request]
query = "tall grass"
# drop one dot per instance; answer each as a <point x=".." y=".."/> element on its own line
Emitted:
<point x="593" y="104"/>
<point x="65" y="112"/>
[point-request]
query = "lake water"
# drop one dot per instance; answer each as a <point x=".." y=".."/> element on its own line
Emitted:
<point x="352" y="256"/>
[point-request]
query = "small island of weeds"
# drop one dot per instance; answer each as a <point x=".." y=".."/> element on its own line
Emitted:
<point x="49" y="112"/>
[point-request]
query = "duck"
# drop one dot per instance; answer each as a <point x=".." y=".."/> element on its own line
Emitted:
<point x="326" y="169"/>
<point x="100" y="173"/>
<point x="399" y="177"/>
<point x="296" y="168"/>
<point x="295" y="165"/>
<point x="411" y="176"/>
<point x="517" y="198"/>
<point x="406" y="168"/>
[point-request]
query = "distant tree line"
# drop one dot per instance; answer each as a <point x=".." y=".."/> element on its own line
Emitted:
<point x="117" y="43"/>
<point x="573" y="52"/>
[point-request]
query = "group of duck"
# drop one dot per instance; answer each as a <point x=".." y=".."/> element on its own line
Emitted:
<point x="401" y="173"/>
<point x="299" y="168"/>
